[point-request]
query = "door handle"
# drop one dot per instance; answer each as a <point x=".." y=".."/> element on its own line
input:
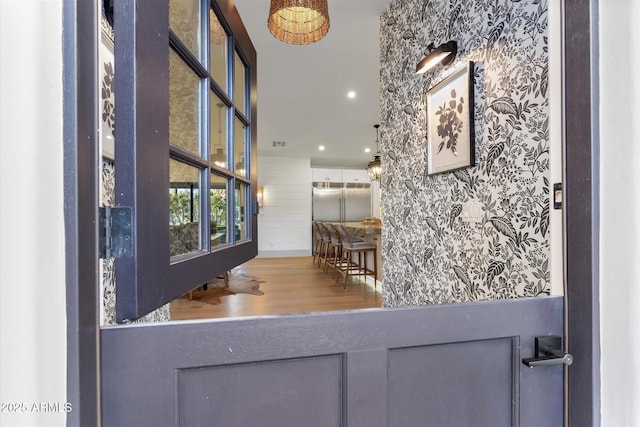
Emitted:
<point x="533" y="362"/>
<point x="549" y="352"/>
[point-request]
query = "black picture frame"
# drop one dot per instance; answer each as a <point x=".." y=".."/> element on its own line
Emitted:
<point x="450" y="125"/>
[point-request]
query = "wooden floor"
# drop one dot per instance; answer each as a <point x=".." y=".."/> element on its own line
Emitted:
<point x="291" y="285"/>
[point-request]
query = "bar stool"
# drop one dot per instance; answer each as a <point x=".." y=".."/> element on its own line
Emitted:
<point x="351" y="245"/>
<point x="319" y="244"/>
<point x="334" y="257"/>
<point x="325" y="244"/>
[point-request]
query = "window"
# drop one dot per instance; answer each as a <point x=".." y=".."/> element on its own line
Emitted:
<point x="186" y="163"/>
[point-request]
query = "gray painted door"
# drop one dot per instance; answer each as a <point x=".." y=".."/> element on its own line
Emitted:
<point x="447" y="365"/>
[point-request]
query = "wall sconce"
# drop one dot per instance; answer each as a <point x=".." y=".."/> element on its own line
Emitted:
<point x="260" y="196"/>
<point x="445" y="53"/>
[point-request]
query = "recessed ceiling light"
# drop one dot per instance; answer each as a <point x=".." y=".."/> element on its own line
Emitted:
<point x="367" y="150"/>
<point x="321" y="147"/>
<point x="351" y="94"/>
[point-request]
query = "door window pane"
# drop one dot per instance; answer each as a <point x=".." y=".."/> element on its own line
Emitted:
<point x="217" y="51"/>
<point x="184" y="122"/>
<point x="240" y="211"/>
<point x="184" y="20"/>
<point x="218" y="124"/>
<point x="184" y="208"/>
<point x="184" y="105"/>
<point x="219" y="210"/>
<point x="239" y="155"/>
<point x="239" y="92"/>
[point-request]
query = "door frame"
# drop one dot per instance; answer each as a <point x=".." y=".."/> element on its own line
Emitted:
<point x="80" y="33"/>
<point x="581" y="206"/>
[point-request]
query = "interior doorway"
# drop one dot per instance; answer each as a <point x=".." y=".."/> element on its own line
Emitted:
<point x="579" y="186"/>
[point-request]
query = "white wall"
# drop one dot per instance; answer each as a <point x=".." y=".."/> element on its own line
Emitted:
<point x="620" y="212"/>
<point x="284" y="222"/>
<point x="32" y="282"/>
<point x="376" y="210"/>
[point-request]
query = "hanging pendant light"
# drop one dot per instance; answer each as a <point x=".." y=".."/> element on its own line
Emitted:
<point x="240" y="170"/>
<point x="298" y="21"/>
<point x="374" y="168"/>
<point x="218" y="155"/>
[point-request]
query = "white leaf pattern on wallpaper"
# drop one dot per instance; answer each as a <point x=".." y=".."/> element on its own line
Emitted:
<point x="431" y="255"/>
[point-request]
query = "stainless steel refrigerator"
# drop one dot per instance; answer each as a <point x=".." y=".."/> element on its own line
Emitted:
<point x="341" y="202"/>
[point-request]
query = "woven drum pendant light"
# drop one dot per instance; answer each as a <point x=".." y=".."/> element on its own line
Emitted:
<point x="298" y="21"/>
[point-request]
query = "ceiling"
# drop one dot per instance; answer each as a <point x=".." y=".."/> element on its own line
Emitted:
<point x="302" y="90"/>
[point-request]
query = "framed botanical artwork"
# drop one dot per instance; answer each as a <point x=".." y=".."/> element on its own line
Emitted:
<point x="450" y="130"/>
<point x="107" y="101"/>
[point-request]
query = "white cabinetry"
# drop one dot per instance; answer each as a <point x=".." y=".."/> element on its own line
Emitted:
<point x="326" y="175"/>
<point x="357" y="176"/>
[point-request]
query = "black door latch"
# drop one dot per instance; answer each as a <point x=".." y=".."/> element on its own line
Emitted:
<point x="549" y="352"/>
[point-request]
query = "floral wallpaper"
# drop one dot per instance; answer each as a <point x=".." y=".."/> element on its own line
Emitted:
<point x="107" y="266"/>
<point x="107" y="179"/>
<point x="431" y="255"/>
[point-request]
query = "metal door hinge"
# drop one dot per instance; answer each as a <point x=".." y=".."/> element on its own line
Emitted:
<point x="115" y="232"/>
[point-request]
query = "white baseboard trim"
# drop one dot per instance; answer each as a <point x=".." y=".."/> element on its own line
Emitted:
<point x="283" y="254"/>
